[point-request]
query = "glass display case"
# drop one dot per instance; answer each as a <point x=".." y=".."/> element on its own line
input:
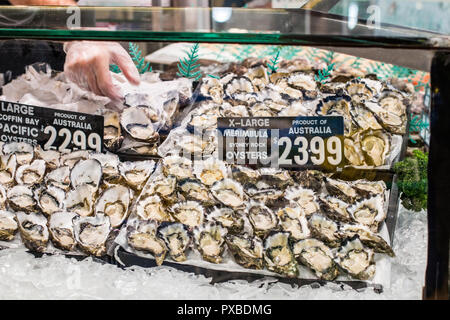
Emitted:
<point x="239" y="143"/>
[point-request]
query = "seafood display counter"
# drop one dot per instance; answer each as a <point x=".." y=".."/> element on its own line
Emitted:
<point x="157" y="190"/>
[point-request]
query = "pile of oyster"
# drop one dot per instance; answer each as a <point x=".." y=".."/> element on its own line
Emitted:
<point x="374" y="112"/>
<point x="71" y="200"/>
<point x="265" y="218"/>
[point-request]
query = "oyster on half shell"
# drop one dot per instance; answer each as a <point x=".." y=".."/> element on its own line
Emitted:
<point x="21" y="198"/>
<point x="80" y="200"/>
<point x="210" y="241"/>
<point x="32" y="173"/>
<point x="60" y="226"/>
<point x="177" y="239"/>
<point x="278" y="256"/>
<point x="114" y="202"/>
<point x="142" y="236"/>
<point x="91" y="233"/>
<point x="50" y="199"/>
<point x="356" y="260"/>
<point x="8" y="225"/>
<point x="152" y="208"/>
<point x="33" y="230"/>
<point x="247" y="251"/>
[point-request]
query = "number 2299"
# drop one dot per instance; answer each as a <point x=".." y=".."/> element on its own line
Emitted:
<point x="317" y="148"/>
<point x="79" y="139"/>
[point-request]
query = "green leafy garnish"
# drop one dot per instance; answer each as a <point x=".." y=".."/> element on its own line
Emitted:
<point x="325" y="73"/>
<point x="274" y="61"/>
<point x="188" y="66"/>
<point x="138" y="59"/>
<point x="413" y="180"/>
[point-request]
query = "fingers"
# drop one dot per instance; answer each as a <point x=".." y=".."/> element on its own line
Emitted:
<point x="121" y="58"/>
<point x="104" y="80"/>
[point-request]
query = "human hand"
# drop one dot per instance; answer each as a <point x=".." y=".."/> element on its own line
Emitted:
<point x="87" y="64"/>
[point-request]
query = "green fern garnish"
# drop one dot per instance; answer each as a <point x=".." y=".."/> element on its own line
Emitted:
<point x="325" y="73"/>
<point x="139" y="61"/>
<point x="274" y="61"/>
<point x="136" y="56"/>
<point x="213" y="76"/>
<point x="187" y="66"/>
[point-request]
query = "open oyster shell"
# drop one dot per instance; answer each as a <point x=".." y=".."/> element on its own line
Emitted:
<point x="341" y="189"/>
<point x="8" y="225"/>
<point x="369" y="212"/>
<point x="114" y="202"/>
<point x="33" y="230"/>
<point x="210" y="171"/>
<point x="356" y="260"/>
<point x="376" y="146"/>
<point x="177" y="239"/>
<point x="335" y="209"/>
<point x="142" y="236"/>
<point x="21" y="198"/>
<point x="60" y="226"/>
<point x="152" y="208"/>
<point x="86" y="172"/>
<point x="50" y="199"/>
<point x="193" y="189"/>
<point x="305" y="198"/>
<point x="136" y="173"/>
<point x="8" y="165"/>
<point x="227" y="218"/>
<point x="278" y="256"/>
<point x="112" y="134"/>
<point x="190" y="213"/>
<point x="59" y="177"/>
<point x="32" y="173"/>
<point x="71" y="158"/>
<point x="24" y="152"/>
<point x="247" y="251"/>
<point x="317" y="256"/>
<point x="262" y="218"/>
<point x="178" y="167"/>
<point x="51" y="157"/>
<point x="137" y="122"/>
<point x="228" y="192"/>
<point x="293" y="220"/>
<point x="325" y="230"/>
<point x="91" y="233"/>
<point x="110" y="165"/>
<point x="80" y="200"/>
<point x="210" y="241"/>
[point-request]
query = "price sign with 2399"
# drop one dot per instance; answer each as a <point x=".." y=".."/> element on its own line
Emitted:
<point x="52" y="129"/>
<point x="304" y="141"/>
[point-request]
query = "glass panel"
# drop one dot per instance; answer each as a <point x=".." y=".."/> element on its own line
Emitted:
<point x="207" y="24"/>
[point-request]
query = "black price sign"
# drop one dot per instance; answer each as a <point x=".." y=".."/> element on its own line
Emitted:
<point x="52" y="129"/>
<point x="311" y="142"/>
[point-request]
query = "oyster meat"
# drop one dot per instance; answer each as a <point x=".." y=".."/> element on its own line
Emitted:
<point x="228" y="192"/>
<point x="179" y="167"/>
<point x="142" y="236"/>
<point x="50" y="199"/>
<point x="51" y="157"/>
<point x="190" y="213"/>
<point x="247" y="251"/>
<point x="210" y="171"/>
<point x="21" y="198"/>
<point x="341" y="189"/>
<point x="227" y="218"/>
<point x="262" y="218"/>
<point x="60" y="226"/>
<point x="24" y="152"/>
<point x="177" y="239"/>
<point x="375" y="146"/>
<point x="356" y="260"/>
<point x="317" y="256"/>
<point x="137" y="123"/>
<point x="293" y="220"/>
<point x="33" y="230"/>
<point x="210" y="241"/>
<point x="325" y="230"/>
<point x="110" y="165"/>
<point x="114" y="203"/>
<point x="71" y="158"/>
<point x="8" y="165"/>
<point x="369" y="212"/>
<point x="136" y="173"/>
<point x="86" y="172"/>
<point x="305" y="198"/>
<point x="8" y="225"/>
<point x="151" y="208"/>
<point x="91" y="233"/>
<point x="335" y="209"/>
<point x="80" y="200"/>
<point x="59" y="177"/>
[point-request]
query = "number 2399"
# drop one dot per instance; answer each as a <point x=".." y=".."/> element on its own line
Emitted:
<point x="318" y="152"/>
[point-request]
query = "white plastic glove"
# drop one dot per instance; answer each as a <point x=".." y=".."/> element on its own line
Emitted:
<point x="87" y="64"/>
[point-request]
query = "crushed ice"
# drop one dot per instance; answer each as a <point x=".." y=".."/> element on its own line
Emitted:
<point x="22" y="276"/>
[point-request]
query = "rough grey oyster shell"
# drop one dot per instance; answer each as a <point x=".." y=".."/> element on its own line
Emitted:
<point x="278" y="256"/>
<point x="325" y="230"/>
<point x="274" y="178"/>
<point x="193" y="189"/>
<point x="21" y="198"/>
<point x="211" y="170"/>
<point x="341" y="189"/>
<point x="367" y="189"/>
<point x="177" y="166"/>
<point x="238" y="85"/>
<point x="51" y="157"/>
<point x="335" y="209"/>
<point x="8" y="165"/>
<point x="24" y="152"/>
<point x="136" y="173"/>
<point x="33" y="230"/>
<point x="369" y="212"/>
<point x="247" y="251"/>
<point x="91" y="233"/>
<point x="213" y="89"/>
<point x="309" y="179"/>
<point x="86" y="172"/>
<point x="190" y="213"/>
<point x="293" y="220"/>
<point x="305" y="198"/>
<point x="152" y="208"/>
<point x="376" y="146"/>
<point x="262" y="218"/>
<point x="228" y="218"/>
<point x="114" y="202"/>
<point x="110" y="165"/>
<point x="71" y="158"/>
<point x="245" y="175"/>
<point x="137" y="122"/>
<point x="259" y="76"/>
<point x="228" y="192"/>
<point x="359" y="91"/>
<point x="80" y="200"/>
<point x="367" y="237"/>
<point x="60" y="226"/>
<point x="260" y="109"/>
<point x="356" y="260"/>
<point x="59" y="177"/>
<point x="50" y="199"/>
<point x="8" y="225"/>
<point x="392" y="122"/>
<point x="317" y="256"/>
<point x="30" y="174"/>
<point x="142" y="236"/>
<point x="112" y="132"/>
<point x="210" y="241"/>
<point x="177" y="239"/>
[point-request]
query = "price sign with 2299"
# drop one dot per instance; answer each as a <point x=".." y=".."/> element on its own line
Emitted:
<point x="52" y="129"/>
